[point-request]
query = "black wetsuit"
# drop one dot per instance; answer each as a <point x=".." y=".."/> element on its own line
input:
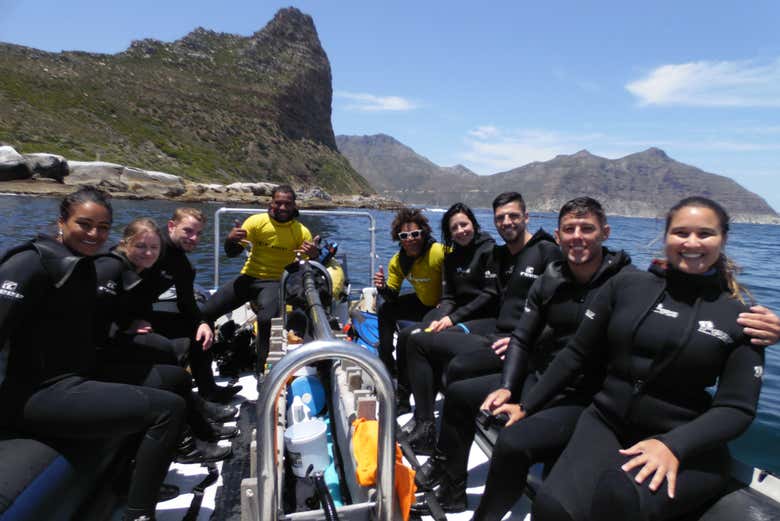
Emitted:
<point x="118" y="304"/>
<point x="669" y="336"/>
<point x="469" y="291"/>
<point x="122" y="298"/>
<point x="557" y="302"/>
<point x="429" y="355"/>
<point x="53" y="387"/>
<point x="173" y="268"/>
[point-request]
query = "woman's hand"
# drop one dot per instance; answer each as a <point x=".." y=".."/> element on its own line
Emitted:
<point x="205" y="335"/>
<point x="500" y="346"/>
<point x="655" y="458"/>
<point x="379" y="278"/>
<point x="496" y="399"/>
<point x="761" y="324"/>
<point x="139" y="327"/>
<point x="439" y="325"/>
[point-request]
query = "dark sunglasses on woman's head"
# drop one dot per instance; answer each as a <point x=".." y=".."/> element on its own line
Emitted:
<point x="414" y="234"/>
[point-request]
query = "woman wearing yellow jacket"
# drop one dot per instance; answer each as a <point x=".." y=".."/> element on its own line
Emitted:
<point x="419" y="260"/>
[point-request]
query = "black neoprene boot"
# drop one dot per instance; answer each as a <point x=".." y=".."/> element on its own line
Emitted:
<point x="422" y="438"/>
<point x="213" y="411"/>
<point x="431" y="473"/>
<point x="191" y="450"/>
<point x="451" y="496"/>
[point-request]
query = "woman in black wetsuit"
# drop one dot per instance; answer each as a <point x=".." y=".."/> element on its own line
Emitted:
<point x="652" y="446"/>
<point x="470" y="292"/>
<point x="122" y="336"/>
<point x="53" y="386"/>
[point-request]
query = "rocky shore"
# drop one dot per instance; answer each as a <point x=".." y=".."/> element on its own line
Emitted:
<point x="53" y="175"/>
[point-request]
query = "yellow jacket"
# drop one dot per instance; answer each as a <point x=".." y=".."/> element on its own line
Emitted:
<point x="424" y="275"/>
<point x="273" y="245"/>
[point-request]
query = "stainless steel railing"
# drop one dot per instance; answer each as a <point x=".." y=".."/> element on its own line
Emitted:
<point x="324" y="348"/>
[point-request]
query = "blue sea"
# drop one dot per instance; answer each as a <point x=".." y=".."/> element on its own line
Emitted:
<point x="755" y="247"/>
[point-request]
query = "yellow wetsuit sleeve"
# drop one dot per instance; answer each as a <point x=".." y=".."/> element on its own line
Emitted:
<point x="395" y="276"/>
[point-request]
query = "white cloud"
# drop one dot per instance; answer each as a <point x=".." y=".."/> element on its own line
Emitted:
<point x="370" y="103"/>
<point x="711" y="84"/>
<point x="490" y="150"/>
<point x="484" y="132"/>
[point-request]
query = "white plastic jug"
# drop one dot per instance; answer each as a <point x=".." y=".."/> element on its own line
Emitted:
<point x="307" y="444"/>
<point x="298" y="411"/>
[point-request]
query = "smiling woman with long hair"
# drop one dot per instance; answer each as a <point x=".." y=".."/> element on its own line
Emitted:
<point x="652" y="446"/>
<point x="54" y="388"/>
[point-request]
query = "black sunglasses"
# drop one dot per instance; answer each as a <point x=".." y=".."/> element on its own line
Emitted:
<point x="414" y="234"/>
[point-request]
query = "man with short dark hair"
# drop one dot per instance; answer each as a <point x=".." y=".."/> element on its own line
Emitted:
<point x="276" y="237"/>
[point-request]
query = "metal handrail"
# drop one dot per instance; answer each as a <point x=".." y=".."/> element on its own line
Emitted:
<point x="318" y="350"/>
<point x="352" y="213"/>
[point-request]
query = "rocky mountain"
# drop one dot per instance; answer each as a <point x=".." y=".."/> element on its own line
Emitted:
<point x="397" y="171"/>
<point x="211" y="107"/>
<point x="644" y="184"/>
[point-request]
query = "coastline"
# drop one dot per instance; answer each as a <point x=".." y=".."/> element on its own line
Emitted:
<point x="249" y="193"/>
<point x="195" y="193"/>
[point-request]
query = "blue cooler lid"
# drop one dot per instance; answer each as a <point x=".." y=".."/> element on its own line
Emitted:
<point x="312" y="394"/>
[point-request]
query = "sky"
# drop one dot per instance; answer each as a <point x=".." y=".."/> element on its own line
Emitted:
<point x="496" y="85"/>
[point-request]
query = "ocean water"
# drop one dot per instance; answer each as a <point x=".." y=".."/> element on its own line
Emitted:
<point x="754" y="247"/>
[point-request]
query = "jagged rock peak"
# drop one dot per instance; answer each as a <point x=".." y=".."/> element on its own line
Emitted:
<point x="583" y="153"/>
<point x="289" y="24"/>
<point x="204" y="40"/>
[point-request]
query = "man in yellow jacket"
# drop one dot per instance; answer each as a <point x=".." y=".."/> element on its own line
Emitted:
<point x="419" y="260"/>
<point x="275" y="237"/>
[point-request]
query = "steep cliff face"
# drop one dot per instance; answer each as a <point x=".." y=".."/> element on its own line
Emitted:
<point x="211" y="107"/>
<point x="644" y="184"/>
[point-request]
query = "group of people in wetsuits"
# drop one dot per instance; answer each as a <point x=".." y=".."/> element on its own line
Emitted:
<point x="600" y="370"/>
<point x="84" y="355"/>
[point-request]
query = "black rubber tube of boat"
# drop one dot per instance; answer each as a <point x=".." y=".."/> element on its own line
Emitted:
<point x="320" y="323"/>
<point x="326" y="500"/>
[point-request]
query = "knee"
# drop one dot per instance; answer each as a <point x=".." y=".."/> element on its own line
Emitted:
<point x="506" y="452"/>
<point x="615" y="497"/>
<point x="547" y="508"/>
<point x="455" y="372"/>
<point x="174" y="378"/>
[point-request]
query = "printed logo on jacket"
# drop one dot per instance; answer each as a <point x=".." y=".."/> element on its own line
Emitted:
<point x="708" y="328"/>
<point x="8" y="289"/>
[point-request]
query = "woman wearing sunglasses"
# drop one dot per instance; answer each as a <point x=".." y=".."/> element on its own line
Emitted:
<point x="470" y="292"/>
<point x="419" y="260"/>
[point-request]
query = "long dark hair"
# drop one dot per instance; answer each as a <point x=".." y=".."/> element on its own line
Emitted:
<point x="85" y="194"/>
<point x="446" y="235"/>
<point x="725" y="266"/>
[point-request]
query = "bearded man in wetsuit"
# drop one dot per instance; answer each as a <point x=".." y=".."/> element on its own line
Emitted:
<point x="276" y="237"/>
